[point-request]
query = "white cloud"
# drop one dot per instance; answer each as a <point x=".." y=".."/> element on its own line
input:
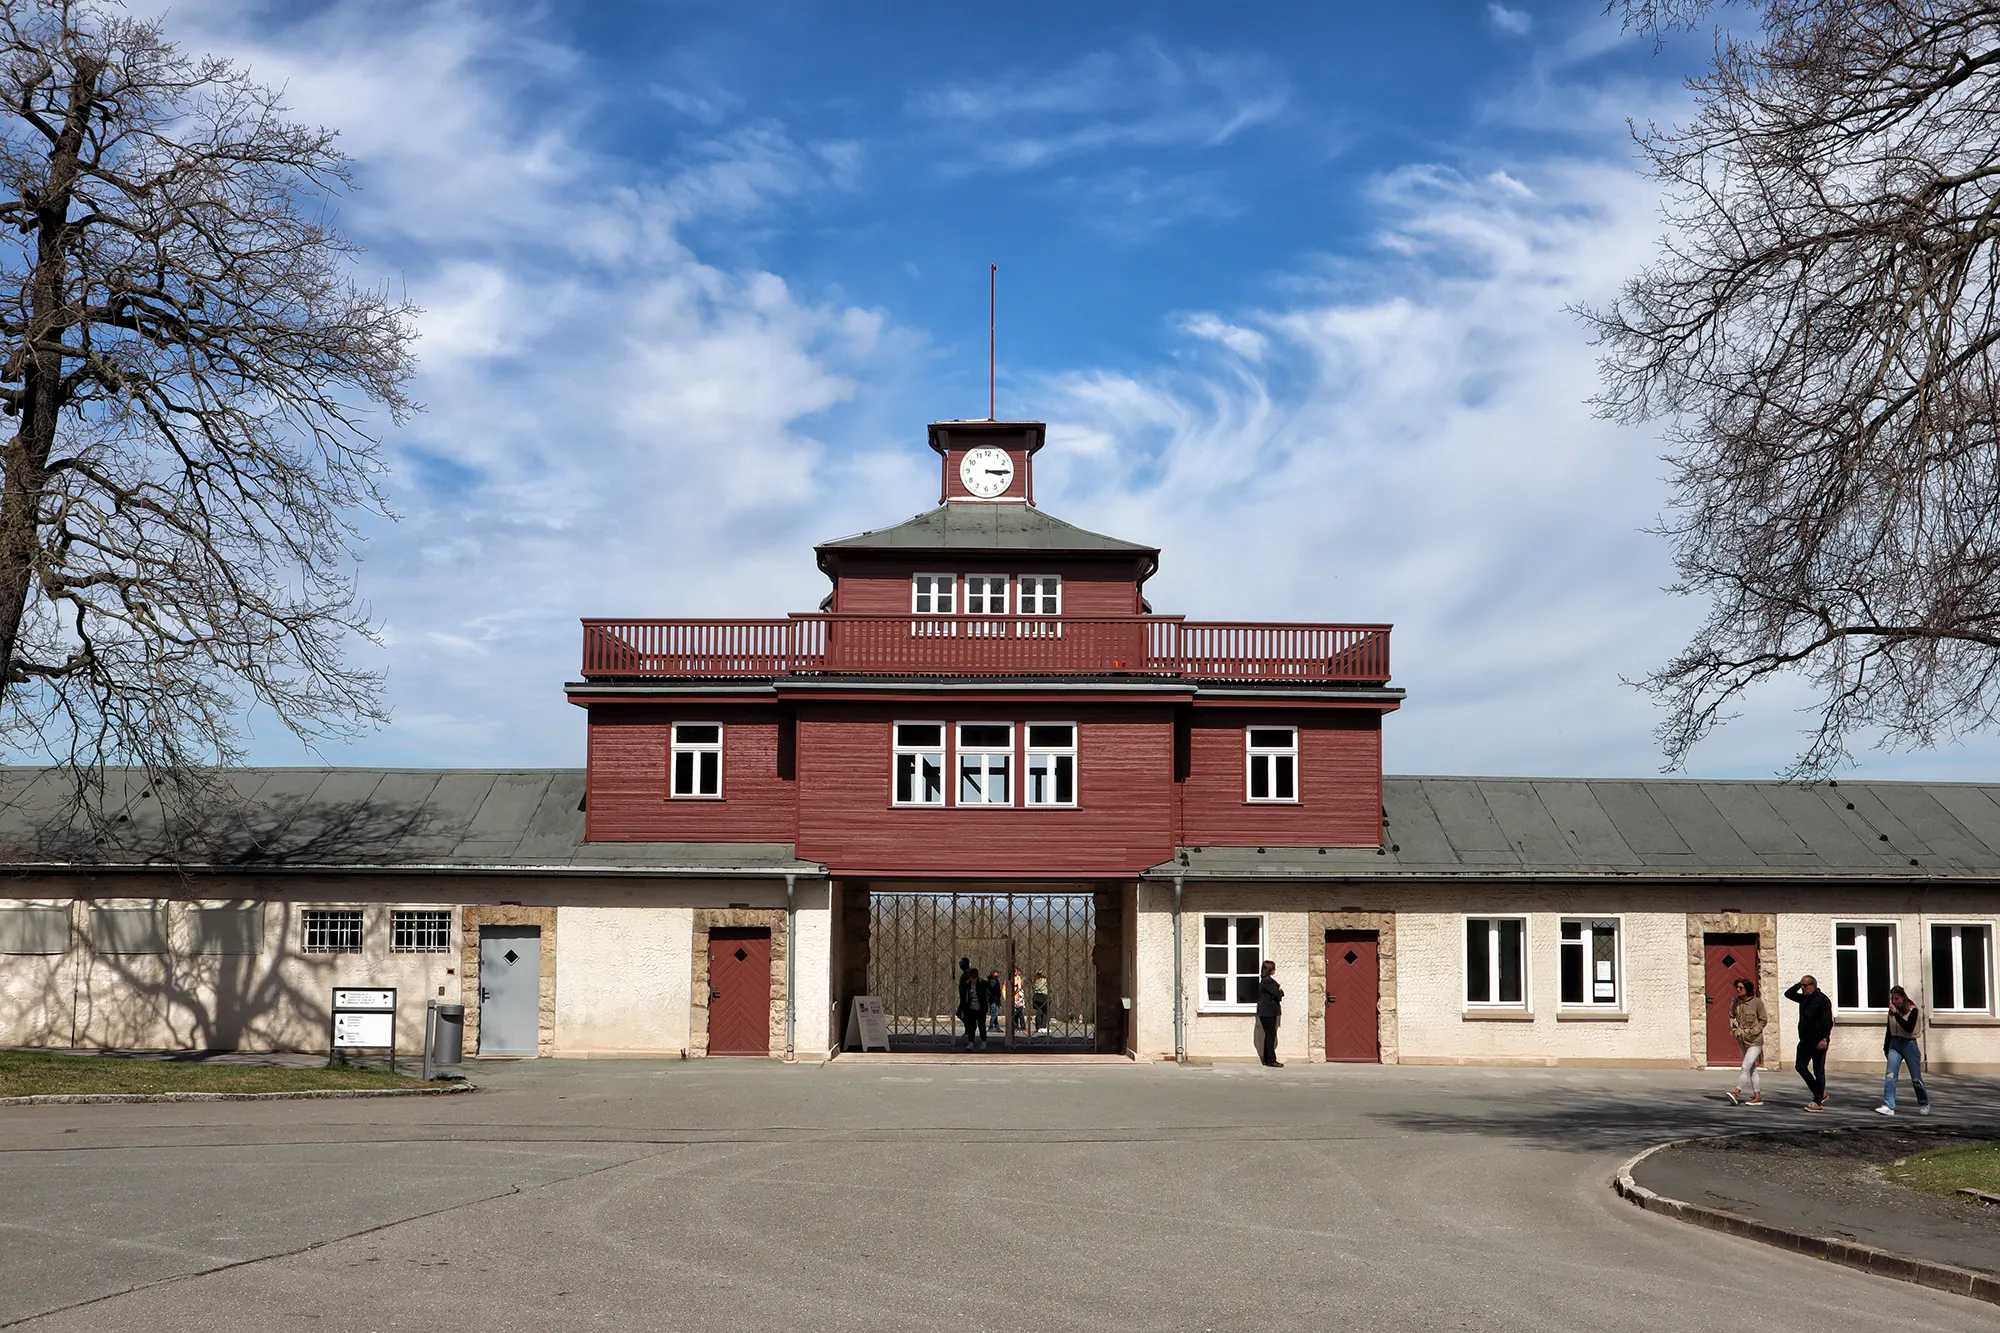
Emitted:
<point x="1515" y="22"/>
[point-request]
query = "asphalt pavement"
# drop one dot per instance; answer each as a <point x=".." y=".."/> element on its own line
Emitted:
<point x="724" y="1195"/>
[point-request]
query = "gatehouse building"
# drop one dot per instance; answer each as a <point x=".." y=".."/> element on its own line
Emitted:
<point x="986" y="743"/>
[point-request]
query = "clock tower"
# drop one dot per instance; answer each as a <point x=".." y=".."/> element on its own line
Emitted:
<point x="988" y="462"/>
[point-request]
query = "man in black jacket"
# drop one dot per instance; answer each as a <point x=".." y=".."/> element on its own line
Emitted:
<point x="1270" y="1005"/>
<point x="1815" y="1030"/>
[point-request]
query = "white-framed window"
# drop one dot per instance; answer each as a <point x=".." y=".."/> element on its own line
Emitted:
<point x="1041" y="594"/>
<point x="330" y="930"/>
<point x="1496" y="961"/>
<point x="985" y="763"/>
<point x="1050" y="776"/>
<point x="1864" y="964"/>
<point x="986" y="594"/>
<point x="697" y="759"/>
<point x="1232" y="961"/>
<point x="934" y="594"/>
<point x="420" y="930"/>
<point x="1961" y="968"/>
<point x="1592" y="969"/>
<point x="919" y="763"/>
<point x="1273" y="763"/>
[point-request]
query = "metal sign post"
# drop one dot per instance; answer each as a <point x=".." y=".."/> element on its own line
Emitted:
<point x="363" y="1019"/>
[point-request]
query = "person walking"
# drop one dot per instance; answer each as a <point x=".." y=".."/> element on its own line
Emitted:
<point x="1901" y="1045"/>
<point x="1019" y="995"/>
<point x="1270" y="1007"/>
<point x="995" y="992"/>
<point x="1815" y="1031"/>
<point x="1747" y="1021"/>
<point x="1041" y="1004"/>
<point x="971" y="1005"/>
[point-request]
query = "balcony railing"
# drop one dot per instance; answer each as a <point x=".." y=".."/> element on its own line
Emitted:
<point x="967" y="645"/>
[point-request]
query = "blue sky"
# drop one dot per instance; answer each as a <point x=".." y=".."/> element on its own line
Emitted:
<point x="1288" y="282"/>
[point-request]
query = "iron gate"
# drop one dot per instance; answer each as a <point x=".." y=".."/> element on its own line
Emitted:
<point x="916" y="940"/>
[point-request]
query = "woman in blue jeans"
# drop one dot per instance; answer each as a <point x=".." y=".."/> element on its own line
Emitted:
<point x="1900" y="1043"/>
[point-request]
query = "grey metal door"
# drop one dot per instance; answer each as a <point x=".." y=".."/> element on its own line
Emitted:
<point x="510" y="989"/>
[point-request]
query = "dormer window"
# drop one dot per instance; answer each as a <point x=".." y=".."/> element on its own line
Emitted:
<point x="934" y="594"/>
<point x="986" y="594"/>
<point x="1041" y="594"/>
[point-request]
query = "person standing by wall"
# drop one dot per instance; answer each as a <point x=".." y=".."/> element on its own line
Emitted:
<point x="1747" y="1021"/>
<point x="1019" y="995"/>
<point x="1902" y="1045"/>
<point x="1041" y="1004"/>
<point x="995" y="992"/>
<point x="1815" y="1031"/>
<point x="971" y="1005"/>
<point x="1270" y="1007"/>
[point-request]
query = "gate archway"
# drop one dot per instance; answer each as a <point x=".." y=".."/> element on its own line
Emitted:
<point x="915" y="942"/>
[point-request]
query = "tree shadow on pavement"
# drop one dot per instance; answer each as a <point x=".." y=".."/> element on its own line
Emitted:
<point x="1608" y="1119"/>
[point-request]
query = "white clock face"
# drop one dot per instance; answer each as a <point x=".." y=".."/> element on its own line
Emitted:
<point x="986" y="471"/>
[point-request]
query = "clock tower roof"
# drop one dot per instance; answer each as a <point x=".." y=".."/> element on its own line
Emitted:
<point x="962" y="526"/>
<point x="1026" y="437"/>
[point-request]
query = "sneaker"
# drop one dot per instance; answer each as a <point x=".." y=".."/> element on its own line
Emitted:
<point x="1813" y="1106"/>
<point x="1885" y="1110"/>
<point x="1925" y="1109"/>
<point x="1756" y="1099"/>
<point x="1734" y="1099"/>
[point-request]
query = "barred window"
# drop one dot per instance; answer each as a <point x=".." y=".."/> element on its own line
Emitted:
<point x="419" y="930"/>
<point x="332" y="929"/>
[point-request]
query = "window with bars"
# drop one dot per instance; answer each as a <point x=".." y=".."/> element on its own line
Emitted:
<point x="1051" y="764"/>
<point x="934" y="594"/>
<point x="331" y="929"/>
<point x="697" y="760"/>
<point x="1961" y="969"/>
<point x="1232" y="961"/>
<point x="1041" y="594"/>
<point x="1273" y="763"/>
<point x="1496" y="960"/>
<point x="1590" y="963"/>
<point x="1864" y="964"/>
<point x="919" y="763"/>
<point x="419" y="930"/>
<point x="985" y="763"/>
<point x="986" y="594"/>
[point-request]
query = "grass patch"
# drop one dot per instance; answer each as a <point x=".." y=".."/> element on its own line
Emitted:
<point x="43" y="1073"/>
<point x="1948" y="1170"/>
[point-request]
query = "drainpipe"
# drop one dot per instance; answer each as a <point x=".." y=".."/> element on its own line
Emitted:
<point x="791" y="959"/>
<point x="1180" y="1046"/>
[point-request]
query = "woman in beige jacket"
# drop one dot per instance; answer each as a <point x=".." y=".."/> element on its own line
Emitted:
<point x="1747" y="1020"/>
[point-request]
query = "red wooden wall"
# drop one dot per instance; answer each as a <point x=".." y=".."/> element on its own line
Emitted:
<point x="872" y="585"/>
<point x="1340" y="781"/>
<point x="627" y="783"/>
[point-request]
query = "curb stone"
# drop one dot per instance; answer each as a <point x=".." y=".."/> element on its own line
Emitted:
<point x="1867" y="1258"/>
<point x="305" y="1094"/>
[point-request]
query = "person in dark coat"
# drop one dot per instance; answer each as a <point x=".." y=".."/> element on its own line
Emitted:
<point x="971" y="1005"/>
<point x="1815" y="1031"/>
<point x="1270" y="1007"/>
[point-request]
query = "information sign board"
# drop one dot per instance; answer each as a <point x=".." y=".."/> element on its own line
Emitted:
<point x="377" y="1000"/>
<point x="364" y="1031"/>
<point x="866" y="1024"/>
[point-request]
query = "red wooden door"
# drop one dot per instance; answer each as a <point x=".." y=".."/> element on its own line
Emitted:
<point x="1353" y="990"/>
<point x="1727" y="957"/>
<point x="739" y="991"/>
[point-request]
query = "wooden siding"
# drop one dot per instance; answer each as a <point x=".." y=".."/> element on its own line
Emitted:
<point x="627" y="797"/>
<point x="874" y="585"/>
<point x="1123" y="821"/>
<point x="1340" y="781"/>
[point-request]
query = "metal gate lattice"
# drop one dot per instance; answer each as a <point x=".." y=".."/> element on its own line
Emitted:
<point x="916" y="940"/>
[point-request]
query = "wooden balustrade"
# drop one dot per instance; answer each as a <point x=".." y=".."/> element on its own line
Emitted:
<point x="970" y="645"/>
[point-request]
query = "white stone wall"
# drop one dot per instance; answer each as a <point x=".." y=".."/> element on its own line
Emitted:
<point x="622" y="977"/>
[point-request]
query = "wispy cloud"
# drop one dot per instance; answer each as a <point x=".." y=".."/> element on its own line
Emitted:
<point x="1141" y="97"/>
<point x="1514" y="22"/>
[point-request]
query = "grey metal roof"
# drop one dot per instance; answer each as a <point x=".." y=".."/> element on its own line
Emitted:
<point x="393" y="820"/>
<point x="1657" y="828"/>
<point x="985" y="527"/>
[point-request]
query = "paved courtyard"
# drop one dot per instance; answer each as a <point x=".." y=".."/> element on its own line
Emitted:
<point x="724" y="1195"/>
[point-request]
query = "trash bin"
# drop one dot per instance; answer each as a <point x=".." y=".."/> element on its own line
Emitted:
<point x="448" y="1035"/>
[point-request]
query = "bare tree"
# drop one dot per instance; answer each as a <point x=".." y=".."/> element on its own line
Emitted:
<point x="189" y="372"/>
<point x="1818" y="333"/>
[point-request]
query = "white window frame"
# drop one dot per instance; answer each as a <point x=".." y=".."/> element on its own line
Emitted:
<point x="306" y="924"/>
<point x="1957" y="1008"/>
<point x="1007" y="769"/>
<point x="1205" y="1005"/>
<point x="897" y="750"/>
<point x="679" y="747"/>
<point x="1860" y="924"/>
<point x="1042" y="590"/>
<point x="1493" y="969"/>
<point x="987" y="593"/>
<point x="1055" y="754"/>
<point x="1252" y="753"/>
<point x="942" y="592"/>
<point x="413" y="929"/>
<point x="1589" y="923"/>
